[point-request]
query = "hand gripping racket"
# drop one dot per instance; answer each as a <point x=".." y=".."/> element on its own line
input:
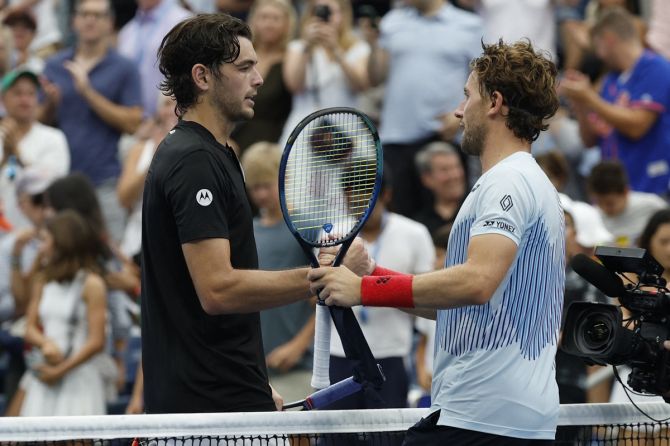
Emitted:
<point x="329" y="179"/>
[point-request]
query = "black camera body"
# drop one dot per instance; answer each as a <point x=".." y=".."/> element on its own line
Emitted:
<point x="323" y="12"/>
<point x="596" y="332"/>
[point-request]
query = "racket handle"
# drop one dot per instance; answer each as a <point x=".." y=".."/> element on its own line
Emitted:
<point x="337" y="391"/>
<point x="321" y="366"/>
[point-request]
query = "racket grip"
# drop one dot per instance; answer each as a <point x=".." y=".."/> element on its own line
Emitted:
<point x="337" y="391"/>
<point x="321" y="365"/>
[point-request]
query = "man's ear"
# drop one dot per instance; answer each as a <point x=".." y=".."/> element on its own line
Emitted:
<point x="201" y="76"/>
<point x="497" y="104"/>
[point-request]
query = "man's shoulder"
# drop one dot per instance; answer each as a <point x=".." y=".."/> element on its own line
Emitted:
<point x="47" y="131"/>
<point x="120" y="62"/>
<point x="57" y="59"/>
<point x="645" y="200"/>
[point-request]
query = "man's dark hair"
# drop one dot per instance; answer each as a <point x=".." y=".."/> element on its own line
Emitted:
<point x="527" y="81"/>
<point x="607" y="177"/>
<point x="207" y="39"/>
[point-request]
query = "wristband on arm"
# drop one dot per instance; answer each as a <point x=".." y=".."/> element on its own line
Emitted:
<point x="379" y="271"/>
<point x="387" y="291"/>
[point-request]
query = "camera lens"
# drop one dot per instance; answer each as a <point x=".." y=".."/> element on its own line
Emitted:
<point x="595" y="332"/>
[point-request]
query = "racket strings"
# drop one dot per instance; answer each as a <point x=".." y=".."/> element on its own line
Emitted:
<point x="330" y="177"/>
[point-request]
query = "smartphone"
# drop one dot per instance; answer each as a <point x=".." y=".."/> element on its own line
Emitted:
<point x="322" y="12"/>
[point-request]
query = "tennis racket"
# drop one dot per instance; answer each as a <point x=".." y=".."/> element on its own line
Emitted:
<point x="329" y="179"/>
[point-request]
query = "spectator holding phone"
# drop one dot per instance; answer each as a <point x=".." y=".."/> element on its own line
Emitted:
<point x="326" y="67"/>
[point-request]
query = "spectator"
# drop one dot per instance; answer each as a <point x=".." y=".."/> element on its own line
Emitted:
<point x="93" y="94"/>
<point x="624" y="212"/>
<point x="405" y="246"/>
<point x="556" y="167"/>
<point x="630" y="119"/>
<point x="66" y="323"/>
<point x="48" y="35"/>
<point x="326" y="66"/>
<point x="590" y="231"/>
<point x="441" y="172"/>
<point x="121" y="275"/>
<point x="140" y="38"/>
<point x="423" y="52"/>
<point x="24" y="141"/>
<point x="655" y="238"/>
<point x="18" y="251"/>
<point x="272" y="24"/>
<point x="23" y="27"/>
<point x="136" y="165"/>
<point x="574" y="31"/>
<point x="288" y="331"/>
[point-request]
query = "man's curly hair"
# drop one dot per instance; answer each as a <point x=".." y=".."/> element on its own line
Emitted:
<point x="527" y="81"/>
<point x="208" y="39"/>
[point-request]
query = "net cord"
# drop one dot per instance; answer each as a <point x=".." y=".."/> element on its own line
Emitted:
<point x="279" y="423"/>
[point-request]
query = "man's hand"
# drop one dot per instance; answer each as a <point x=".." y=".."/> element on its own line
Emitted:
<point x="284" y="357"/>
<point x="357" y="258"/>
<point x="10" y="139"/>
<point x="576" y="86"/>
<point x="51" y="91"/>
<point x="340" y="286"/>
<point x="79" y="75"/>
<point x="278" y="399"/>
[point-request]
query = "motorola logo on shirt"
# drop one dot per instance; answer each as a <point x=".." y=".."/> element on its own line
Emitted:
<point x="204" y="197"/>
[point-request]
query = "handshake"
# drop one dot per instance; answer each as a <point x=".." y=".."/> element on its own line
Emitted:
<point x="341" y="286"/>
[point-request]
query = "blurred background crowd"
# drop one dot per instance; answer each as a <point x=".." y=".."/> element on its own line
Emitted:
<point x="82" y="116"/>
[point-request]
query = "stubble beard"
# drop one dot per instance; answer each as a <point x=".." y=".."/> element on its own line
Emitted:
<point x="473" y="139"/>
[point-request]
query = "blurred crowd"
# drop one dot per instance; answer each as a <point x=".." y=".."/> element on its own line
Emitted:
<point x="82" y="115"/>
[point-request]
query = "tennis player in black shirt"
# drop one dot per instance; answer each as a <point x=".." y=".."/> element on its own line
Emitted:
<point x="201" y="338"/>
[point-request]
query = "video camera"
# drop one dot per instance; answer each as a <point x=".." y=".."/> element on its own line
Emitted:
<point x="596" y="332"/>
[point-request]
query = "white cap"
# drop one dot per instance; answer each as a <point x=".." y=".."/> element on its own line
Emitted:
<point x="33" y="180"/>
<point x="589" y="227"/>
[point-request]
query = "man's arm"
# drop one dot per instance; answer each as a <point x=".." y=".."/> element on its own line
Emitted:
<point x="471" y="283"/>
<point x="123" y="118"/>
<point x="223" y="289"/>
<point x="633" y="123"/>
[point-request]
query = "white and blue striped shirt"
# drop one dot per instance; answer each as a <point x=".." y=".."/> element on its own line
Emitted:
<point x="494" y="363"/>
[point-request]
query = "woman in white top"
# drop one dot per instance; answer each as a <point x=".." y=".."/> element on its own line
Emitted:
<point x="327" y="66"/>
<point x="66" y="324"/>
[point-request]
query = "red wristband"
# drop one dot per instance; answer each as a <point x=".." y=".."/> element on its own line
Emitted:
<point x="387" y="291"/>
<point x="379" y="271"/>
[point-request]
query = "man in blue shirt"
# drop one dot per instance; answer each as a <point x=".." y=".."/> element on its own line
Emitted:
<point x="93" y="94"/>
<point x="630" y="119"/>
<point x="422" y="54"/>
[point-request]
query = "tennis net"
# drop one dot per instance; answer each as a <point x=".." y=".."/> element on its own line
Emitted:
<point x="583" y="424"/>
